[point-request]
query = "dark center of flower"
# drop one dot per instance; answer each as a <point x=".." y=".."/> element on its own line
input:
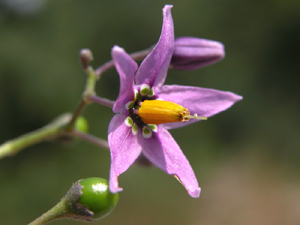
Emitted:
<point x="133" y="111"/>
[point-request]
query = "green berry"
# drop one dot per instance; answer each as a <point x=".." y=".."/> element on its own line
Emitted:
<point x="97" y="197"/>
<point x="82" y="124"/>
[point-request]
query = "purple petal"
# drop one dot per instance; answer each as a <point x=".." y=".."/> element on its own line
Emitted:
<point x="193" y="53"/>
<point x="126" y="68"/>
<point x="203" y="101"/>
<point x="163" y="151"/>
<point x="153" y="70"/>
<point x="124" y="149"/>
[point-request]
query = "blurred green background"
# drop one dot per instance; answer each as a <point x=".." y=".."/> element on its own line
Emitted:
<point x="247" y="159"/>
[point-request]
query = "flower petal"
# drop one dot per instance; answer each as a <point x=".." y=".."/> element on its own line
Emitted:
<point x="153" y="70"/>
<point x="203" y="101"/>
<point x="163" y="151"/>
<point x="124" y="149"/>
<point x="126" y="68"/>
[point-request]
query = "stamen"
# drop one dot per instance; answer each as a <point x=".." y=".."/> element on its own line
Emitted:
<point x="157" y="112"/>
<point x="195" y="116"/>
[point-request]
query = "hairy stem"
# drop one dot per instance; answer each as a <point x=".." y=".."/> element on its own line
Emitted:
<point x="49" y="131"/>
<point x="59" y="211"/>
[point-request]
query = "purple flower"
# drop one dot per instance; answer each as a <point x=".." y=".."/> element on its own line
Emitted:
<point x="193" y="53"/>
<point x="140" y="127"/>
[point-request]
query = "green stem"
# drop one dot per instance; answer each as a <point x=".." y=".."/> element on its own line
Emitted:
<point x="58" y="127"/>
<point x="91" y="81"/>
<point x="59" y="211"/>
<point x="89" y="91"/>
<point x="68" y="207"/>
<point x="76" y="114"/>
<point x="51" y="130"/>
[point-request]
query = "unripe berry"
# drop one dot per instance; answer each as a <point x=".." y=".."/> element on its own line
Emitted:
<point x="97" y="197"/>
<point x="82" y="124"/>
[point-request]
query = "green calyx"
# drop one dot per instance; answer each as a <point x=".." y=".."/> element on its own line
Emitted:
<point x="97" y="197"/>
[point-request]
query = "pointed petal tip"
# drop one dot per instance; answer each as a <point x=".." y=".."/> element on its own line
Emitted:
<point x="195" y="193"/>
<point x="153" y="69"/>
<point x="167" y="7"/>
<point x="239" y="98"/>
<point x="234" y="97"/>
<point x="117" y="49"/>
<point x="167" y="10"/>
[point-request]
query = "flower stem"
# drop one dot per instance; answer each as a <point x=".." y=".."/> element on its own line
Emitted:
<point x="89" y="91"/>
<point x="140" y="55"/>
<point x="102" y="101"/>
<point x="59" y="211"/>
<point x="90" y="138"/>
<point x="51" y="130"/>
<point x="76" y="114"/>
<point x="66" y="123"/>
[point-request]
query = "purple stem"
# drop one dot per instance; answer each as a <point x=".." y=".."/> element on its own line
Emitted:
<point x="102" y="101"/>
<point x="92" y="139"/>
<point x="110" y="64"/>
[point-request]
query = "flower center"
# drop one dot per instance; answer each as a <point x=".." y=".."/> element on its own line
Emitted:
<point x="157" y="112"/>
<point x="145" y="112"/>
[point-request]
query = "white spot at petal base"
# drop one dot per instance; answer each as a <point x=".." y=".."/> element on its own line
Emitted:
<point x="129" y="121"/>
<point x="145" y="88"/>
<point x="129" y="105"/>
<point x="147" y="133"/>
<point x="153" y="127"/>
<point x="134" y="129"/>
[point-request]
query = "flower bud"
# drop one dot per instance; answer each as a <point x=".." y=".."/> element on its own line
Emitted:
<point x="86" y="56"/>
<point x="193" y="53"/>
